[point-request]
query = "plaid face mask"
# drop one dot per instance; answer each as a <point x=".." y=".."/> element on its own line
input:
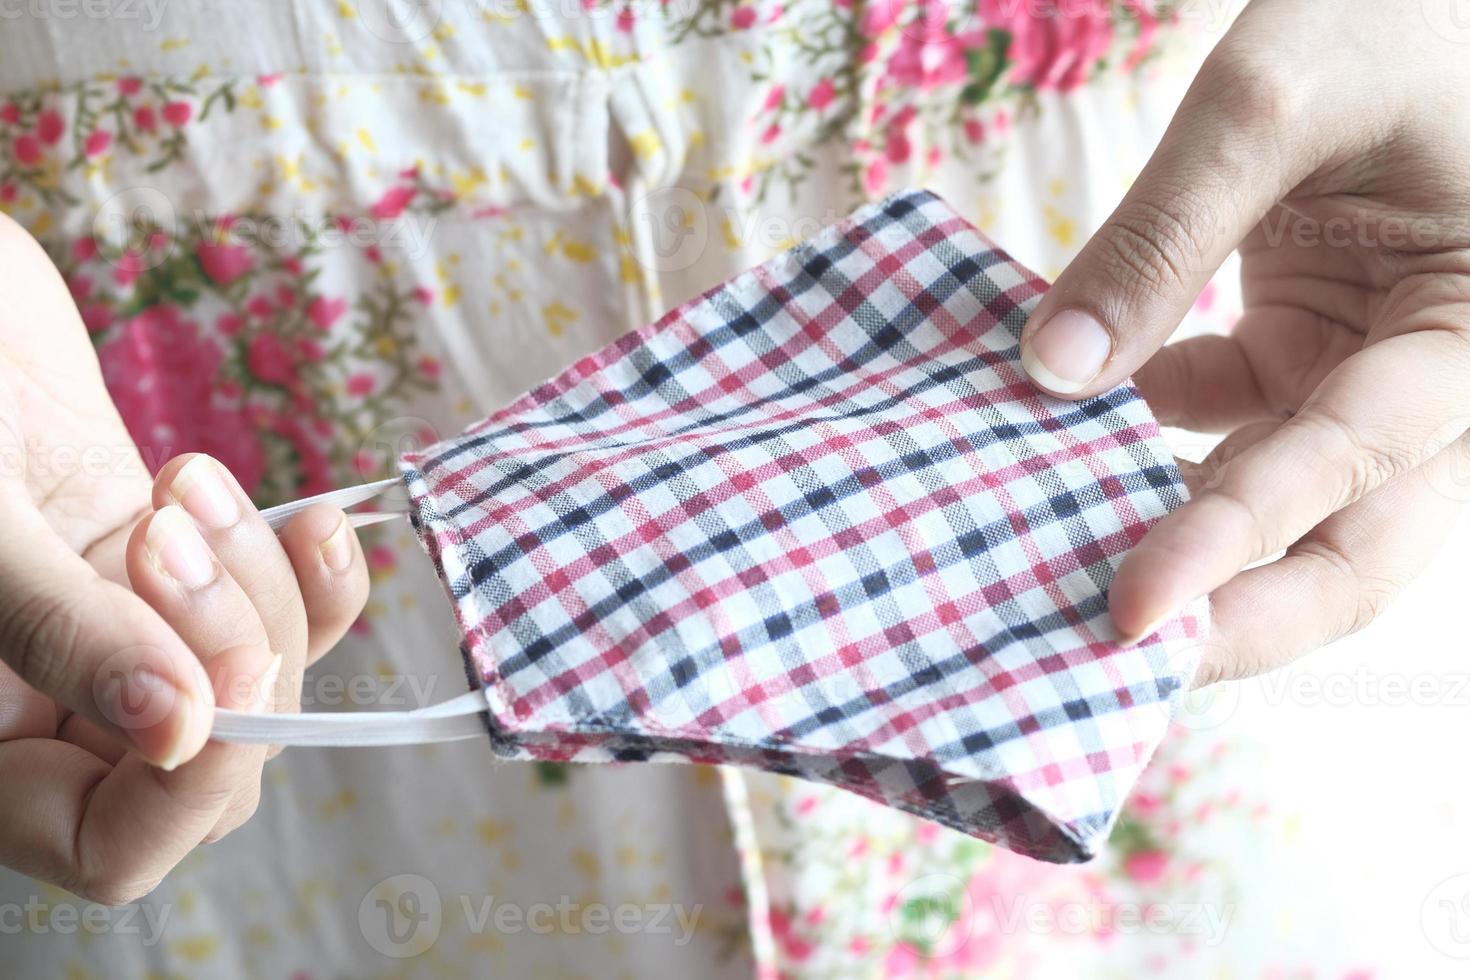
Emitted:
<point x="817" y="522"/>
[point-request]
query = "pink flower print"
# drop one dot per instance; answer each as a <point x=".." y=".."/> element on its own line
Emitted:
<point x="880" y="15"/>
<point x="50" y="127"/>
<point x="127" y="268"/>
<point x="380" y="557"/>
<point x="821" y="94"/>
<point x="373" y="254"/>
<point x="1056" y="46"/>
<point x="743" y="17"/>
<point x="292" y="266"/>
<point x="261" y="307"/>
<point x="266" y="81"/>
<point x="899" y="148"/>
<point x="177" y="113"/>
<point x="928" y="58"/>
<point x="774" y="97"/>
<point x="10" y="113"/>
<point x="26" y="149"/>
<point x="393" y="202"/>
<point x="269" y="360"/>
<point x="97" y="143"/>
<point x="97" y="317"/>
<point x="875" y="178"/>
<point x="365" y="464"/>
<point x="429" y="367"/>
<point x="794" y="946"/>
<point x="625" y="20"/>
<point x="81" y="287"/>
<point x="772" y="133"/>
<point x="1146" y="867"/>
<point x="224" y="263"/>
<point x="423" y="294"/>
<point x="129" y="85"/>
<point x="974" y="130"/>
<point x="310" y="350"/>
<point x="360" y="384"/>
<point x="84" y="249"/>
<point x="228" y="324"/>
<point x="1145" y="803"/>
<point x="144" y="119"/>
<point x="161" y="372"/>
<point x="285" y="296"/>
<point x="8" y="193"/>
<point x="323" y="311"/>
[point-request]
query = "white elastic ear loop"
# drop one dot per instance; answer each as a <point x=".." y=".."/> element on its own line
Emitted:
<point x="456" y="719"/>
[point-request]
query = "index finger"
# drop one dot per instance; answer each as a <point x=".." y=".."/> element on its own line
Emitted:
<point x="1382" y="412"/>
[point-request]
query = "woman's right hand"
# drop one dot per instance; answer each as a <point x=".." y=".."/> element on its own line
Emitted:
<point x="129" y="608"/>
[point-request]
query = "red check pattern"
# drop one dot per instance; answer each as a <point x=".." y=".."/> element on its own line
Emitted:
<point x="818" y="522"/>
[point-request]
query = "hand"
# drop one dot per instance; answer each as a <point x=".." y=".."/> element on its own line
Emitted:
<point x="1330" y="142"/>
<point x="106" y="693"/>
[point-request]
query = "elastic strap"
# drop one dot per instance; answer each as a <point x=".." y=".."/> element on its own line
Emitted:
<point x="456" y="719"/>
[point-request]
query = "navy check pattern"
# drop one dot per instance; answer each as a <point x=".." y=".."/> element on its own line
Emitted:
<point x="818" y="522"/>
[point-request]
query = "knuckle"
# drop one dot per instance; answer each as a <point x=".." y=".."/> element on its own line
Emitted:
<point x="108" y="888"/>
<point x="195" y="801"/>
<point x="1257" y="92"/>
<point x="40" y="635"/>
<point x="236" y="816"/>
<point x="1150" y="247"/>
<point x="1364" y="596"/>
<point x="1364" y="464"/>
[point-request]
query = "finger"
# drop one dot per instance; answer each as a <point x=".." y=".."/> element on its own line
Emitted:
<point x="1204" y="384"/>
<point x="110" y="833"/>
<point x="330" y="571"/>
<point x="170" y="565"/>
<point x="248" y="549"/>
<point x="1335" y="580"/>
<point x="93" y="645"/>
<point x="1354" y="434"/>
<point x="1272" y="360"/>
<point x="1201" y="476"/>
<point x="1227" y="158"/>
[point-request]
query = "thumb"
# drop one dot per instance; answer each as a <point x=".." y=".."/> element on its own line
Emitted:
<point x="95" y="647"/>
<point x="1215" y="175"/>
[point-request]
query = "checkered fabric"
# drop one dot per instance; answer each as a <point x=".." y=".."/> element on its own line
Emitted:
<point x="817" y="521"/>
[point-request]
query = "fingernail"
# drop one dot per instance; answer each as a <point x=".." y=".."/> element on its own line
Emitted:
<point x="265" y="694"/>
<point x="1146" y="632"/>
<point x="177" y="549"/>
<point x="1067" y="352"/>
<point x="201" y="489"/>
<point x="337" y="549"/>
<point x="179" y="751"/>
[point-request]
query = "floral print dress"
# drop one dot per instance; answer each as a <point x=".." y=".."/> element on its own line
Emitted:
<point x="306" y="236"/>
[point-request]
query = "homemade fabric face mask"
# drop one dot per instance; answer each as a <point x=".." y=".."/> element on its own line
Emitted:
<point x="817" y="522"/>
